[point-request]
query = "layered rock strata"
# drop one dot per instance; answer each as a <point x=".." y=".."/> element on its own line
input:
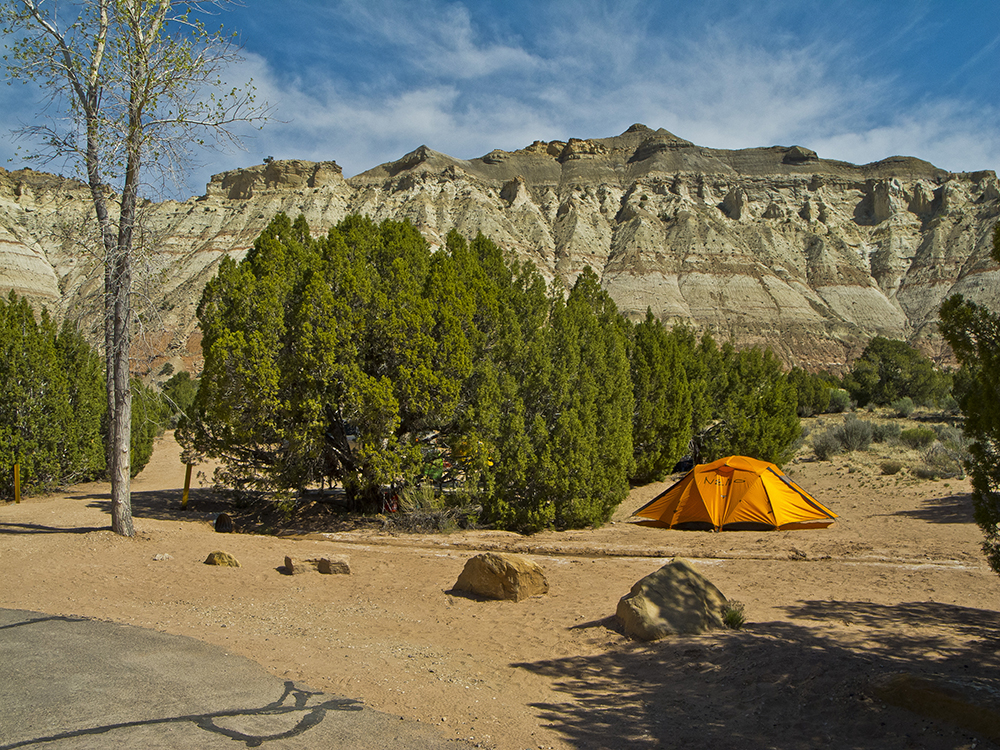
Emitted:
<point x="773" y="246"/>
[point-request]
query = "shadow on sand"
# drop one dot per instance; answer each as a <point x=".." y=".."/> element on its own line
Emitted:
<point x="36" y="528"/>
<point x="164" y="505"/>
<point x="948" y="509"/>
<point x="776" y="684"/>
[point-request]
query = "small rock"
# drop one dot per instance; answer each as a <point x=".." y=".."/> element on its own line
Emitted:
<point x="163" y="556"/>
<point x="224" y="524"/>
<point x="222" y="558"/>
<point x="338" y="565"/>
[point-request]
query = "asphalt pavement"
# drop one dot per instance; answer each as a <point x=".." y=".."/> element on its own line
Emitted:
<point x="73" y="682"/>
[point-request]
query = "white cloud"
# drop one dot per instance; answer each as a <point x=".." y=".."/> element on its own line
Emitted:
<point x="439" y="39"/>
<point x="720" y="90"/>
<point x="456" y="79"/>
<point x="950" y="135"/>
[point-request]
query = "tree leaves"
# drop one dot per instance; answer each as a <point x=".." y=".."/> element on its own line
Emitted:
<point x="53" y="406"/>
<point x="364" y="359"/>
<point x="974" y="335"/>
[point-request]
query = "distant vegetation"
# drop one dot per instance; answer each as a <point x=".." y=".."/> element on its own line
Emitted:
<point x="53" y="404"/>
<point x="889" y="371"/>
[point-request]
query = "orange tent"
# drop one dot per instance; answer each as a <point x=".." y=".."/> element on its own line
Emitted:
<point x="736" y="493"/>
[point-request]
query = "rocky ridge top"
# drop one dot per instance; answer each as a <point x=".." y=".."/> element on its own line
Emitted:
<point x="773" y="246"/>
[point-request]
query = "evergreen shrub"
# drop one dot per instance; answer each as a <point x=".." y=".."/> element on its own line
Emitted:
<point x="855" y="434"/>
<point x="918" y="437"/>
<point x="53" y="404"/>
<point x="885" y="432"/>
<point x="903" y="407"/>
<point x="840" y="401"/>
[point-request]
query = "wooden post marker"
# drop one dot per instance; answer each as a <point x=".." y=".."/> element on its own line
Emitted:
<point x="17" y="483"/>
<point x="187" y="488"/>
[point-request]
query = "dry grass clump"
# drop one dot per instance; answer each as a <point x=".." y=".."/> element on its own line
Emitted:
<point x="734" y="615"/>
<point x="891" y="466"/>
<point x="422" y="508"/>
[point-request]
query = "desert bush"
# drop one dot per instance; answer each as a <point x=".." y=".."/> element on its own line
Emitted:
<point x="940" y="462"/>
<point x="855" y="434"/>
<point x="903" y="407"/>
<point x="917" y="437"/>
<point x="734" y="615"/>
<point x="885" y="432"/>
<point x="826" y="444"/>
<point x="951" y="450"/>
<point x="419" y="497"/>
<point x="923" y="471"/>
<point x="946" y="433"/>
<point x="840" y="401"/>
<point x="950" y="404"/>
<point x="891" y="466"/>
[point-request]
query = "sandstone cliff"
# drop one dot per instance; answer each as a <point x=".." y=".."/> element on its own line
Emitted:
<point x="772" y="246"/>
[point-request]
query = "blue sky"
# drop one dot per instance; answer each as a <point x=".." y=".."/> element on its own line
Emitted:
<point x="364" y="82"/>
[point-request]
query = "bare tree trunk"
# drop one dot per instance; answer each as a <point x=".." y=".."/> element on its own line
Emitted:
<point x="121" y="418"/>
<point x="109" y="359"/>
<point x="121" y="293"/>
<point x="117" y="282"/>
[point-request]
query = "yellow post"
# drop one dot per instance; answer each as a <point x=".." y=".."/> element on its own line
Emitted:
<point x="187" y="487"/>
<point x="17" y="483"/>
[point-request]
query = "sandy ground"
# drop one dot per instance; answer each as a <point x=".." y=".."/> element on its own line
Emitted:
<point x="898" y="584"/>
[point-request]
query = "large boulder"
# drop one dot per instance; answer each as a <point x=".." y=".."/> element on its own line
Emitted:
<point x="501" y="576"/>
<point x="675" y="600"/>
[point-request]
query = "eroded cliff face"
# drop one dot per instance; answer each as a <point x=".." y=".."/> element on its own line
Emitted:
<point x="771" y="246"/>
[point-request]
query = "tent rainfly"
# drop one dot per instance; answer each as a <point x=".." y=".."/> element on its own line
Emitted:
<point x="733" y="494"/>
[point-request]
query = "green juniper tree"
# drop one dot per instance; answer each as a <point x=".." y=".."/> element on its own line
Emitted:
<point x="662" y="425"/>
<point x="812" y="391"/>
<point x="758" y="405"/>
<point x="34" y="388"/>
<point x="974" y="335"/>
<point x="889" y="369"/>
<point x="362" y="358"/>
<point x="52" y="406"/>
<point x="84" y="453"/>
<point x="744" y="403"/>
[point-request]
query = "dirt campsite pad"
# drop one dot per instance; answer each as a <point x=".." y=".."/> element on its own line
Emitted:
<point x="897" y="585"/>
